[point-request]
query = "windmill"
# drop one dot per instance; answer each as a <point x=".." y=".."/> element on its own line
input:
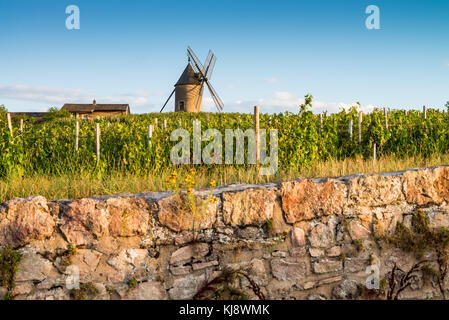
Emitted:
<point x="190" y="86"/>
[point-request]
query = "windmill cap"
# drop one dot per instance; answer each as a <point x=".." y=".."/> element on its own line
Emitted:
<point x="188" y="77"/>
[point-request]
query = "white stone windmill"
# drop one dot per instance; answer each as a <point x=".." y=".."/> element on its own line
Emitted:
<point x="189" y="88"/>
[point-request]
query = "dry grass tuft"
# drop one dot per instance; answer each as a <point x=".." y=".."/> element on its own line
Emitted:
<point x="79" y="186"/>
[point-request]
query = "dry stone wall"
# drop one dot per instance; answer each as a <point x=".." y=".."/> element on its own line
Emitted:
<point x="303" y="239"/>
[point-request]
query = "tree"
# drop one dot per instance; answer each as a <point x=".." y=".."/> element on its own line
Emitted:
<point x="447" y="106"/>
<point x="55" y="113"/>
<point x="307" y="103"/>
<point x="3" y="109"/>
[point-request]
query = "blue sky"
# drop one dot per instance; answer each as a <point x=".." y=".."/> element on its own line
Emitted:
<point x="270" y="53"/>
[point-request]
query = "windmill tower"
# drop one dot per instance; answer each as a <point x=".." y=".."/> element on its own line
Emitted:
<point x="190" y="86"/>
<point x="188" y="92"/>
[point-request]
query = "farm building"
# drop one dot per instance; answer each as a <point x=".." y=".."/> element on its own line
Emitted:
<point x="94" y="110"/>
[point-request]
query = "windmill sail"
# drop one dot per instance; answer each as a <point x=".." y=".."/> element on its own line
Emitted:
<point x="210" y="66"/>
<point x="196" y="62"/>
<point x="205" y="74"/>
<point x="208" y="60"/>
<point x="215" y="96"/>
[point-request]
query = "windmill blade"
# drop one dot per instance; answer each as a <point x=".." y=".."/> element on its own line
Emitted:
<point x="195" y="59"/>
<point x="205" y="73"/>
<point x="194" y="67"/>
<point x="218" y="103"/>
<point x="200" y="95"/>
<point x="208" y="59"/>
<point x="210" y="67"/>
<point x="167" y="100"/>
<point x="207" y="62"/>
<point x="196" y="62"/>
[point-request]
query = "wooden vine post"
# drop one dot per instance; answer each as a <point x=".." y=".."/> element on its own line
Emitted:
<point x="256" y="131"/>
<point x="77" y="136"/>
<point x="97" y="131"/>
<point x="8" y="118"/>
<point x="360" y="130"/>
<point x="150" y="134"/>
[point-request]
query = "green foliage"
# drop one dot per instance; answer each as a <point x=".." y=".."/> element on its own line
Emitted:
<point x="87" y="291"/>
<point x="225" y="287"/>
<point x="358" y="245"/>
<point x="9" y="265"/>
<point x="345" y="224"/>
<point x="69" y="254"/>
<point x="269" y="223"/>
<point x="221" y="288"/>
<point x="3" y="109"/>
<point x="367" y="294"/>
<point x="55" y="113"/>
<point x="110" y="290"/>
<point x="186" y="200"/>
<point x="49" y="147"/>
<point x="307" y="103"/>
<point x="420" y="237"/>
<point x="276" y="241"/>
<point x="132" y="284"/>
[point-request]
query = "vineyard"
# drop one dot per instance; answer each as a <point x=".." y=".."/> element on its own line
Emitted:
<point x="49" y="148"/>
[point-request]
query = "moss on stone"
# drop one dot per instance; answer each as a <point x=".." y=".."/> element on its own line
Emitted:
<point x="9" y="266"/>
<point x="69" y="254"/>
<point x="358" y="245"/>
<point x="420" y="237"/>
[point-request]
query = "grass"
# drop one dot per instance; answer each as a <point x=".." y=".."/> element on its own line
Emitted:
<point x="85" y="185"/>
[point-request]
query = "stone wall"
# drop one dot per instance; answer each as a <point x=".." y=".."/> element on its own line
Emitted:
<point x="304" y="239"/>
